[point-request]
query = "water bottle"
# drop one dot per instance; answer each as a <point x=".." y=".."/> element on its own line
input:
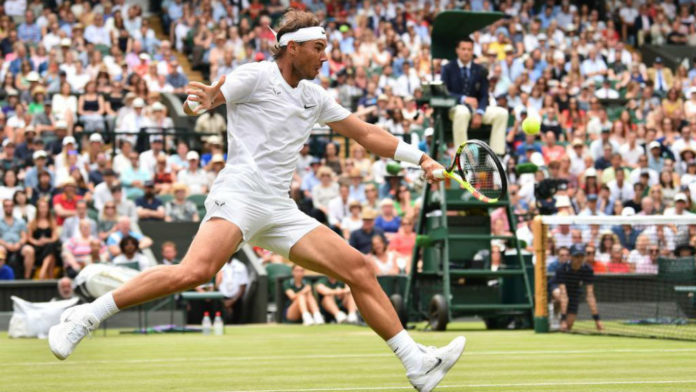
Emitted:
<point x="206" y="324"/>
<point x="218" y="325"/>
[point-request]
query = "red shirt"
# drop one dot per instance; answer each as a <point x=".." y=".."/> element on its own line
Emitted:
<point x="621" y="268"/>
<point x="68" y="204"/>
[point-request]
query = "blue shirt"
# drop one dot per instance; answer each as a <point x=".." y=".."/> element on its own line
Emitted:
<point x="129" y="176"/>
<point x="26" y="32"/>
<point x="309" y="181"/>
<point x="391" y="226"/>
<point x="362" y="241"/>
<point x="31" y="178"/>
<point x="116" y="237"/>
<point x="12" y="233"/>
<point x="6" y="273"/>
<point x="153" y="204"/>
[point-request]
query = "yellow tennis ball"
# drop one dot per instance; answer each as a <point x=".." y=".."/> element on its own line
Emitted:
<point x="531" y="125"/>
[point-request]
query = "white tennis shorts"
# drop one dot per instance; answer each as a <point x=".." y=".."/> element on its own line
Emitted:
<point x="268" y="221"/>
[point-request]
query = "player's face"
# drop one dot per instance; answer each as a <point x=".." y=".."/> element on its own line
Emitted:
<point x="309" y="58"/>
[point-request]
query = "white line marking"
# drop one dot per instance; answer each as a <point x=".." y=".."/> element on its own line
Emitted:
<point x="540" y="384"/>
<point x="345" y="356"/>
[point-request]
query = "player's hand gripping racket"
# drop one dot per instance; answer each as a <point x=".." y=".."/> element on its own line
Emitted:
<point x="478" y="170"/>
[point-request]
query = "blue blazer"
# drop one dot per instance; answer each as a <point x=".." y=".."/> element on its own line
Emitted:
<point x="478" y="83"/>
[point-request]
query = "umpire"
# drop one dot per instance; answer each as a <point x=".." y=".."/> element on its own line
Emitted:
<point x="571" y="277"/>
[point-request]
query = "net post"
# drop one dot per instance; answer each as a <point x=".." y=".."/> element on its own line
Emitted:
<point x="541" y="309"/>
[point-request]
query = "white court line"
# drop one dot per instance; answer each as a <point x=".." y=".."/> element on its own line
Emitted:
<point x="346" y="356"/>
<point x="539" y="384"/>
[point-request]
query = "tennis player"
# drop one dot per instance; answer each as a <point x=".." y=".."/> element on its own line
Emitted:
<point x="271" y="108"/>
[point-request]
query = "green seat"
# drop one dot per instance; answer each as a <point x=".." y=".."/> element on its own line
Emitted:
<point x="93" y="214"/>
<point x="165" y="198"/>
<point x="199" y="201"/>
<point x="274" y="271"/>
<point x="133" y="265"/>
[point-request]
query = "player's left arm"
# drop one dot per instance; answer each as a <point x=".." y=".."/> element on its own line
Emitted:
<point x="207" y="97"/>
<point x="592" y="303"/>
<point x="380" y="142"/>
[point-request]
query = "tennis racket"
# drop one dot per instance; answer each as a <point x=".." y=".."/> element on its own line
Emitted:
<point x="478" y="170"/>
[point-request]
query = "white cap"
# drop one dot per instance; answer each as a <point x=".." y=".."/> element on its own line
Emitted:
<point x="39" y="154"/>
<point x="69" y="139"/>
<point x="541" y="36"/>
<point x="144" y="56"/>
<point x="6" y="142"/>
<point x="29" y="128"/>
<point x="591" y="172"/>
<point x="628" y="211"/>
<point x="157" y="106"/>
<point x="692" y="90"/>
<point x="95" y="137"/>
<point x="61" y="124"/>
<point x="562" y="201"/>
<point x="192" y="155"/>
<point x="217" y="158"/>
<point x="680" y="197"/>
<point x="65" y="42"/>
<point x="428" y="132"/>
<point x="33" y="76"/>
<point x="654" y="144"/>
<point x="138" y="103"/>
<point x="217" y="140"/>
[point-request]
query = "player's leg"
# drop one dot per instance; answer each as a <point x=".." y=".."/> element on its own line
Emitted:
<point x="461" y="117"/>
<point x="323" y="251"/>
<point x="570" y="320"/>
<point x="214" y="244"/>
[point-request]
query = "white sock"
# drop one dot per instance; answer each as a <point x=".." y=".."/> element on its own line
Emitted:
<point x="104" y="306"/>
<point x="406" y="350"/>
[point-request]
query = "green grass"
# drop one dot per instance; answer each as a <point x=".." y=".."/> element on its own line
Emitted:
<point x="335" y="358"/>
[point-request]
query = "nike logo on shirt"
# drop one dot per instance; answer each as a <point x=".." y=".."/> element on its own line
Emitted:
<point x="309" y="106"/>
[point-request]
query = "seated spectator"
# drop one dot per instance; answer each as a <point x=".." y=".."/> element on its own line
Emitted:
<point x="383" y="260"/>
<point x="617" y="263"/>
<point x="124" y="206"/>
<point x="31" y="175"/>
<point x="361" y="239"/>
<point x="169" y="253"/>
<point x="44" y="189"/>
<point x="123" y="229"/>
<point x="232" y="281"/>
<point x="606" y="92"/>
<point x="10" y="186"/>
<point x="180" y="209"/>
<point x="352" y="221"/>
<point x="402" y="244"/>
<point x="71" y="225"/>
<point x="65" y="204"/>
<point x="149" y="207"/>
<point x="91" y="108"/>
<point x="606" y="241"/>
<point x="338" y="207"/>
<point x="403" y="204"/>
<point x="130" y="253"/>
<point x="102" y="191"/>
<point x="591" y="259"/>
<point x="371" y="197"/>
<point x="640" y="254"/>
<point x="77" y="251"/>
<point x="163" y="176"/>
<point x="13" y="238"/>
<point x="194" y="176"/>
<point x="134" y="178"/>
<point x="627" y="234"/>
<point x="325" y="190"/>
<point x="42" y="235"/>
<point x="22" y="209"/>
<point x="106" y="224"/>
<point x="303" y="306"/>
<point x="336" y="299"/>
<point x="6" y="272"/>
<point x="388" y="221"/>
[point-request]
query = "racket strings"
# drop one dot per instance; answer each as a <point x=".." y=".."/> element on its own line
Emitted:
<point x="478" y="168"/>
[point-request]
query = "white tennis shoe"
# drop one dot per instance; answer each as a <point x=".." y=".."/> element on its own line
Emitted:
<point x="436" y="363"/>
<point x="75" y="324"/>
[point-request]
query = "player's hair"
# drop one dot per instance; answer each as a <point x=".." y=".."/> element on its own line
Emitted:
<point x="293" y="20"/>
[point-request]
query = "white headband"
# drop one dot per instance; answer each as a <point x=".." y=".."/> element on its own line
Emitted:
<point x="303" y="34"/>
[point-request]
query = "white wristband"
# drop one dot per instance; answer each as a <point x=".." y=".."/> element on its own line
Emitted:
<point x="407" y="153"/>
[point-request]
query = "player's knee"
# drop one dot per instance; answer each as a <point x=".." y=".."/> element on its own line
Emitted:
<point x="360" y="272"/>
<point x="192" y="276"/>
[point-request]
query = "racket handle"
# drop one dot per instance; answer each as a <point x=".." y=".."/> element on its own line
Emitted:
<point x="439" y="173"/>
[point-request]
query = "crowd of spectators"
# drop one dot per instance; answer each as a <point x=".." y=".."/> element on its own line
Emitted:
<point x="618" y="134"/>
